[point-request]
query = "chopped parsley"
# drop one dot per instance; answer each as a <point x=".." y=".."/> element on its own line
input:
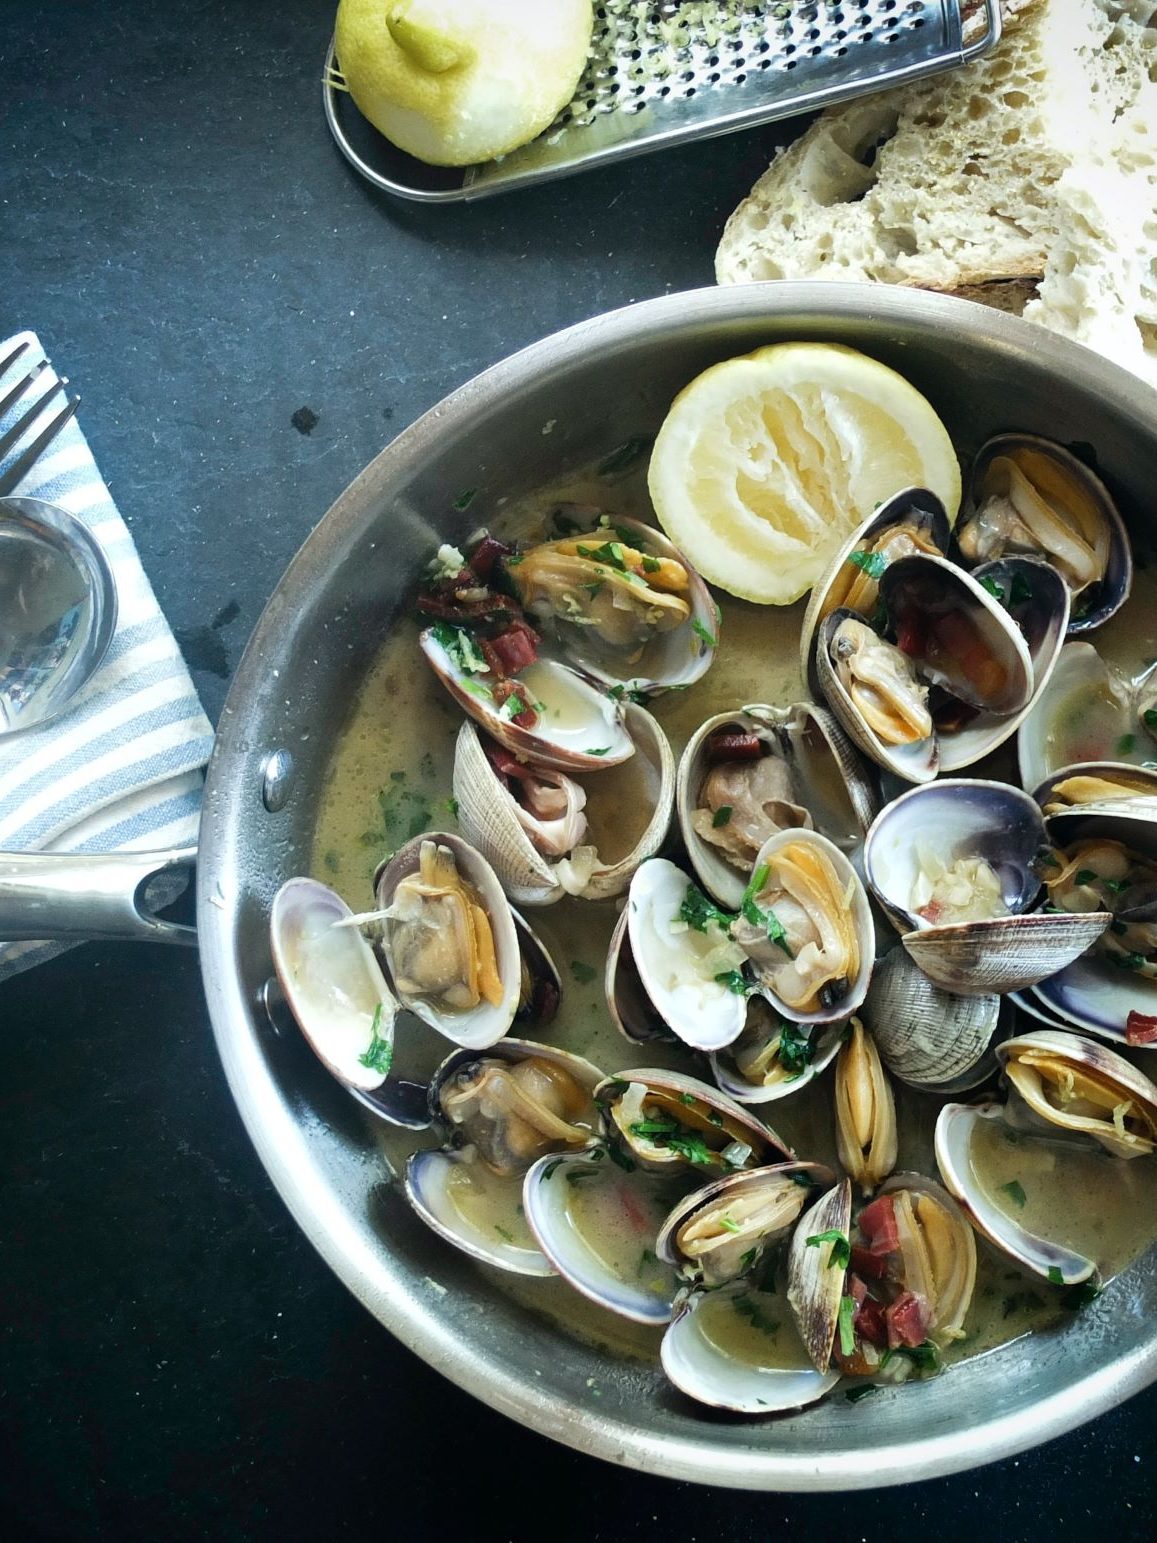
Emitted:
<point x="1119" y="929"/>
<point x="841" y="1254"/>
<point x="1078" y="1297"/>
<point x="1126" y="744"/>
<point x="452" y="808"/>
<point x="1055" y="1275"/>
<point x="380" y="1055"/>
<point x="465" y="499"/>
<point x="582" y="972"/>
<point x="688" y="1098"/>
<point x="747" y="905"/>
<point x="993" y="588"/>
<point x="651" y="564"/>
<point x="1020" y="591"/>
<point x="622" y="1159"/>
<point x="1150" y="717"/>
<point x="597" y="750"/>
<point x="847" y="1331"/>
<point x="747" y="1308"/>
<point x="514" y="559"/>
<point x="701" y="632"/>
<point x="721" y="817"/>
<point x="460" y="647"/>
<point x="734" y="981"/>
<point x="692" y="1149"/>
<point x="631" y="693"/>
<point x="730" y="1224"/>
<point x="699" y="912"/>
<point x="581" y="1175"/>
<point x="861" y="1390"/>
<point x="611" y="553"/>
<point x="646" y="1260"/>
<point x="507" y="1237"/>
<point x="748" y="1259"/>
<point x="796" y="1050"/>
<point x="1014" y="1189"/>
<point x="715" y="1117"/>
<point x="1116" y="886"/>
<point x="1125" y="961"/>
<point x="925" y="1357"/>
<point x="1086" y="876"/>
<point x="872" y="563"/>
<point x="552" y="1168"/>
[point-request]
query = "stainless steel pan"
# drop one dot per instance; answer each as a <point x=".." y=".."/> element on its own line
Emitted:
<point x="596" y="385"/>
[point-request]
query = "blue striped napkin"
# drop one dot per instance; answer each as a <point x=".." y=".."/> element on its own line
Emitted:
<point x="122" y="768"/>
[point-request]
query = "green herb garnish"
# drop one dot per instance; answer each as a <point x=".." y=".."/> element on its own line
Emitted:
<point x="622" y="1159"/>
<point x="1126" y="744"/>
<point x="734" y="981"/>
<point x="688" y="1098"/>
<point x="1015" y="1192"/>
<point x="701" y="632"/>
<point x="732" y="1226"/>
<point x="646" y="1259"/>
<point x="756" y="1317"/>
<point x="582" y="972"/>
<point x="993" y="588"/>
<point x="1055" y="1275"/>
<point x="380" y="1055"/>
<point x="581" y="1175"/>
<point x="748" y="1259"/>
<point x="796" y="1051"/>
<point x="611" y="553"/>
<point x="507" y="1237"/>
<point x="1150" y="717"/>
<point x="721" y="817"/>
<point x="872" y="563"/>
<point x="847" y="1331"/>
<point x="598" y="750"/>
<point x="841" y="1254"/>
<point x="925" y="1357"/>
<point x="692" y="1149"/>
<point x="699" y="912"/>
<point x="1078" y="1297"/>
<point x="465" y="499"/>
<point x="1020" y="591"/>
<point x="1086" y="876"/>
<point x="651" y="564"/>
<point x="552" y="1168"/>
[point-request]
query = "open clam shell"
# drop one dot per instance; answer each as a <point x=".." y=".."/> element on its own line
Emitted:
<point x="911" y="760"/>
<point x="957" y="634"/>
<point x="816" y="1273"/>
<point x="1078" y="1087"/>
<point x="772" y="1058"/>
<point x="723" y="1377"/>
<point x="938" y="1252"/>
<point x="720" y="1232"/>
<point x="669" y="1123"/>
<point x="986" y="835"/>
<point x="686" y="969"/>
<point x="631" y="1010"/>
<point x="576" y="727"/>
<point x="597" y="1225"/>
<point x="815" y="962"/>
<point x="1037" y="599"/>
<point x="867" y="1137"/>
<point x="914" y="520"/>
<point x="1028" y="494"/>
<point x="540" y="988"/>
<point x="597" y="858"/>
<point x="1086" y="712"/>
<point x="807" y="773"/>
<point x="433" y="1179"/>
<point x="673" y="657"/>
<point x="928" y="1037"/>
<point x="1096" y="787"/>
<point x="424" y="984"/>
<point x="954" y="1128"/>
<point x="337" y="992"/>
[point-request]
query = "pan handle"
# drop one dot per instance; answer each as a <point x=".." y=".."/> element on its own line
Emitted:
<point x="83" y="896"/>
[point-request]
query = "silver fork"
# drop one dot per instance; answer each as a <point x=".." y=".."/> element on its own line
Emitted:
<point x="32" y="453"/>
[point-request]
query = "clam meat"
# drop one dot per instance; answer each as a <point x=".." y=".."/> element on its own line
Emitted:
<point x="881" y="683"/>
<point x="1099" y="874"/>
<point x="746" y="796"/>
<point x="440" y="940"/>
<point x="1074" y="1086"/>
<point x="666" y="1122"/>
<point x="720" y="1233"/>
<point x="513" y="1112"/>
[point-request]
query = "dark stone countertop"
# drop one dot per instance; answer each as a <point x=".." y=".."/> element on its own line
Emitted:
<point x="248" y="324"/>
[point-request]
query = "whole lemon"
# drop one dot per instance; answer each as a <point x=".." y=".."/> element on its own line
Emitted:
<point x="454" y="82"/>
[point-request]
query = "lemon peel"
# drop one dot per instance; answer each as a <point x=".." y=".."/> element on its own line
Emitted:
<point x="455" y="82"/>
<point x="766" y="463"/>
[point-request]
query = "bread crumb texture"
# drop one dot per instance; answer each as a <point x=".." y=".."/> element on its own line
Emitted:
<point x="1027" y="180"/>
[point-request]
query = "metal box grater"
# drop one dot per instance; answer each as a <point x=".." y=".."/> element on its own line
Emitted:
<point x="655" y="79"/>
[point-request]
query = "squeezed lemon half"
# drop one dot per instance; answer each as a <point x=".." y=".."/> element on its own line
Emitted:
<point x="765" y="464"/>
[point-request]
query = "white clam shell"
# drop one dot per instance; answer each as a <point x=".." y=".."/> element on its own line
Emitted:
<point x="815" y="1283"/>
<point x="1097" y="997"/>
<point x="928" y="1037"/>
<point x="486" y="815"/>
<point x="835" y="784"/>
<point x="331" y="979"/>
<point x="1137" y="796"/>
<point x="700" y="1370"/>
<point x="827" y="1039"/>
<point x="485" y="1024"/>
<point x="855" y="898"/>
<point x="954" y="1128"/>
<point x="581" y="729"/>
<point x="913" y="506"/>
<point x="961" y="817"/>
<point x="426" y="1178"/>
<point x="1083" y="713"/>
<point x="677" y="658"/>
<point x="1102" y="600"/>
<point x="743" y="1183"/>
<point x="630" y="1008"/>
<point x="1098" y="1060"/>
<point x="668" y="955"/>
<point x="545" y="1194"/>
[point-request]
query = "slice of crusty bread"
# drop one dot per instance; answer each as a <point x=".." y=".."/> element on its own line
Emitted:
<point x="1028" y="180"/>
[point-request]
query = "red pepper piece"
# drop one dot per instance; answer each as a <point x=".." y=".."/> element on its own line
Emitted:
<point x="733" y="745"/>
<point x="1140" y="1028"/>
<point x="907" y="1320"/>
<point x="877" y="1222"/>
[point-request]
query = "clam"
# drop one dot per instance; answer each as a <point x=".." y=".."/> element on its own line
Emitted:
<point x="928" y="1037"/>
<point x="1100" y="787"/>
<point x="541" y="831"/>
<point x="539" y="985"/>
<point x="683" y="955"/>
<point x="806" y="926"/>
<point x="937" y="1252"/>
<point x="597" y="1225"/>
<point x="875" y="692"/>
<point x="773" y="1057"/>
<point x="913" y="521"/>
<point x="1028" y="495"/>
<point x="726" y="1351"/>
<point x="866" y="1133"/>
<point x="623" y="603"/>
<point x="1100" y="873"/>
<point x="1086" y="712"/>
<point x="720" y="1232"/>
<point x="665" y="1122"/>
<point x="817" y="1261"/>
<point x="749" y="773"/>
<point x="631" y="1009"/>
<point x="1071" y="1084"/>
<point x="953" y="865"/>
<point x="449" y="939"/>
<point x="547" y="713"/>
<point x="499" y="1112"/>
<point x="338" y="994"/>
<point x="955" y="1127"/>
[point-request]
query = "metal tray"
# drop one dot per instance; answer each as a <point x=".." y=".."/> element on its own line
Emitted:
<point x="653" y="81"/>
